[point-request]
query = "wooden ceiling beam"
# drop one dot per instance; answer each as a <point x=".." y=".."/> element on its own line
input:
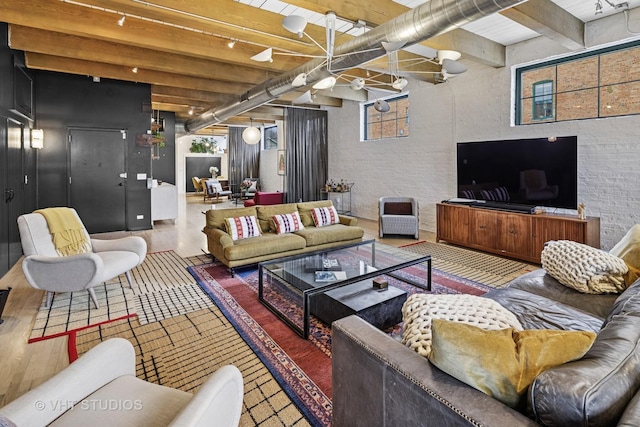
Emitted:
<point x="70" y="46"/>
<point x="186" y="93"/>
<point x="118" y="72"/>
<point x="550" y="20"/>
<point x="82" y="21"/>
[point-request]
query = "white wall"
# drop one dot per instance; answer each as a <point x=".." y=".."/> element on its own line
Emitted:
<point x="476" y="106"/>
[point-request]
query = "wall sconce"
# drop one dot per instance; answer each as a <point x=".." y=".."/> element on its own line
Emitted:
<point x="37" y="138"/>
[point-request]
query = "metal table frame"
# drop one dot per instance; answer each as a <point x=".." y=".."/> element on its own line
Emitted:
<point x="308" y="293"/>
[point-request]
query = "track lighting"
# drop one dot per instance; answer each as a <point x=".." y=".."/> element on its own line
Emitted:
<point x="231" y="43"/>
<point x="134" y="70"/>
<point x="121" y="20"/>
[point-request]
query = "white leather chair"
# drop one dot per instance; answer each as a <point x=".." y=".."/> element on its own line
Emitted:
<point x="101" y="389"/>
<point x="399" y="215"/>
<point x="45" y="269"/>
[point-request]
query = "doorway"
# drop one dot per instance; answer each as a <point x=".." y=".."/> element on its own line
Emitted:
<point x="97" y="178"/>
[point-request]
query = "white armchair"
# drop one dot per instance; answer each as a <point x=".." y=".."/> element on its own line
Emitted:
<point x="45" y="269"/>
<point x="399" y="215"/>
<point x="101" y="389"/>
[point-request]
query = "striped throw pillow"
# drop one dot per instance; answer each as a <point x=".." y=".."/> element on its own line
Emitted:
<point x="288" y="223"/>
<point x="325" y="216"/>
<point x="242" y="227"/>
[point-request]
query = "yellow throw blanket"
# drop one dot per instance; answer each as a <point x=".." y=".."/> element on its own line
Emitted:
<point x="66" y="231"/>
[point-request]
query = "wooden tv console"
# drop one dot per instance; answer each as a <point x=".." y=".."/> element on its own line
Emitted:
<point x="516" y="235"/>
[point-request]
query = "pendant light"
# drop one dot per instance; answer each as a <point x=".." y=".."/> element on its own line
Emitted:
<point x="251" y="135"/>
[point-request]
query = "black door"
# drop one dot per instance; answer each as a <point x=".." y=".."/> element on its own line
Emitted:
<point x="15" y="183"/>
<point x="12" y="203"/>
<point x="97" y="178"/>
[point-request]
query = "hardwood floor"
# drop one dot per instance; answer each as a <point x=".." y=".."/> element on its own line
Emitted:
<point x="24" y="366"/>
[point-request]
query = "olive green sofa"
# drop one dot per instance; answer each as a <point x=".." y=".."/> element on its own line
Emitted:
<point x="270" y="245"/>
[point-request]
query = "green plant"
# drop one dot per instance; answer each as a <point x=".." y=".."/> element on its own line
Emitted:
<point x="203" y="145"/>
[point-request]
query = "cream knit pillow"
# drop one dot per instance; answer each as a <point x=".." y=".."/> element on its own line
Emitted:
<point x="420" y="309"/>
<point x="584" y="268"/>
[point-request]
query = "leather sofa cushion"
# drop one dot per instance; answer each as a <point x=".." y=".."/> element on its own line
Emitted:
<point x="537" y="312"/>
<point x="315" y="236"/>
<point x="631" y="415"/>
<point x="596" y="389"/>
<point x="539" y="282"/>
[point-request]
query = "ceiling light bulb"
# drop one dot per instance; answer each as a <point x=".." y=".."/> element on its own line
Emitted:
<point x="191" y="111"/>
<point x="295" y="24"/>
<point x="452" y="67"/>
<point x="326" y="83"/>
<point x="231" y="43"/>
<point x="381" y="106"/>
<point x="264" y="56"/>
<point x="448" y="54"/>
<point x="357" y="83"/>
<point x="134" y="69"/>
<point x="300" y="80"/>
<point x="121" y="20"/>
<point x="400" y="83"/>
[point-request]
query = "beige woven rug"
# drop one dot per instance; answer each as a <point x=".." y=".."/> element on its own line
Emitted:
<point x="162" y="288"/>
<point x="488" y="269"/>
<point x="180" y="352"/>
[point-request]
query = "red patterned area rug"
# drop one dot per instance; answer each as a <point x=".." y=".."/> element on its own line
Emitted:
<point x="303" y="367"/>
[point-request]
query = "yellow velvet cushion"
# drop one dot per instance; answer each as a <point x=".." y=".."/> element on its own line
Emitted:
<point x="502" y="363"/>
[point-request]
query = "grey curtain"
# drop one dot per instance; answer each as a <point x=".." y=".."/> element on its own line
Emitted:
<point x="244" y="159"/>
<point x="307" y="154"/>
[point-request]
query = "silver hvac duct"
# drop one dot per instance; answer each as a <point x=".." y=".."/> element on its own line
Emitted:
<point x="418" y="24"/>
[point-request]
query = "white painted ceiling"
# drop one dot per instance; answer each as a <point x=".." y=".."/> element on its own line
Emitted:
<point x="495" y="27"/>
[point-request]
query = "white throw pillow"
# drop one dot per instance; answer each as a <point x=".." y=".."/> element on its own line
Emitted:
<point x="584" y="268"/>
<point x="242" y="227"/>
<point x="325" y="216"/>
<point x="420" y="309"/>
<point x="288" y="223"/>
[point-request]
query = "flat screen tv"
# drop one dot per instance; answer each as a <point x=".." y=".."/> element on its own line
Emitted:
<point x="537" y="171"/>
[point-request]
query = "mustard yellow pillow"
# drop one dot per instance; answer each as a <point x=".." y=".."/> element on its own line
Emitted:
<point x="628" y="248"/>
<point x="502" y="363"/>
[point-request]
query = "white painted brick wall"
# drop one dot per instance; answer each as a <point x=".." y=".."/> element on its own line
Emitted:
<point x="476" y="106"/>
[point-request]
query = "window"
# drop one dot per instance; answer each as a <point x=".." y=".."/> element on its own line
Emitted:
<point x="543" y="100"/>
<point x="595" y="84"/>
<point x="271" y="138"/>
<point x="390" y="124"/>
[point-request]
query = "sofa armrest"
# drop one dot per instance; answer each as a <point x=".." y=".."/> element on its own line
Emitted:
<point x="378" y="381"/>
<point x="99" y="366"/>
<point x="134" y="244"/>
<point x="348" y="220"/>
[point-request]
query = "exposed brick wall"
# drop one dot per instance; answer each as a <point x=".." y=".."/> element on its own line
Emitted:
<point x="476" y="106"/>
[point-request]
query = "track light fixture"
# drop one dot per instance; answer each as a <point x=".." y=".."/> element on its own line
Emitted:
<point x="231" y="43"/>
<point x="121" y="20"/>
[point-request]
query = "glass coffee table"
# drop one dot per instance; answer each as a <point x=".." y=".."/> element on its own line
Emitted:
<point x="337" y="282"/>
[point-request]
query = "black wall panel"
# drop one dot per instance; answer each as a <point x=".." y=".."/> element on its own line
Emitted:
<point x="67" y="101"/>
